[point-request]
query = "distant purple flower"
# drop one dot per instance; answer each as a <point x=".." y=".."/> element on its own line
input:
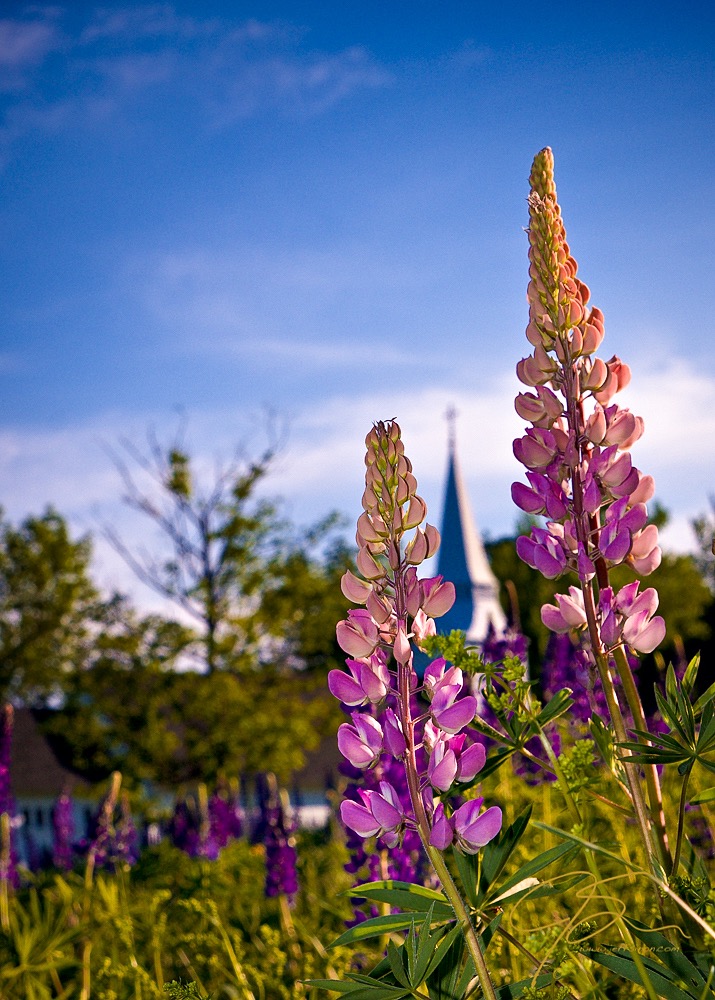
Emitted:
<point x="8" y="853"/>
<point x="496" y="648"/>
<point x="279" y="841"/>
<point x="224" y="817"/>
<point x="63" y="829"/>
<point x="183" y="827"/>
<point x="114" y="841"/>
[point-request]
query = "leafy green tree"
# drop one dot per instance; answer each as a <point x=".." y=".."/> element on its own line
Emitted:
<point x="113" y="714"/>
<point x="704" y="528"/>
<point x="221" y="547"/>
<point x="263" y="606"/>
<point x="50" y="610"/>
<point x="132" y="710"/>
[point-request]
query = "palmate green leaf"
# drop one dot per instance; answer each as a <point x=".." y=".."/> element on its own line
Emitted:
<point x="559" y="853"/>
<point x="406" y="895"/>
<point x="707" y="795"/>
<point x="489" y="931"/>
<point x="396" y="967"/>
<point x="661" y="978"/>
<point x="671" y="957"/>
<point x="498" y="851"/>
<point x="373" y="989"/>
<point x="603" y="738"/>
<point x="468" y="868"/>
<point x="671" y="715"/>
<point x="555" y="707"/>
<point x="706" y="697"/>
<point x="443" y="982"/>
<point x="375" y="927"/>
<point x="493" y="763"/>
<point x="691" y="675"/>
<point x="513" y="990"/>
<point x="421" y="949"/>
<point x="540" y="891"/>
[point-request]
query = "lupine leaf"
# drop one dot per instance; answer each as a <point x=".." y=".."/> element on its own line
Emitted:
<point x="672" y="957"/>
<point x="410" y="947"/>
<point x="443" y="980"/>
<point x="555" y="707"/>
<point x="540" y="891"/>
<point x="428" y="941"/>
<point x="602" y="737"/>
<point x="489" y="931"/>
<point x="537" y="864"/>
<point x="513" y="990"/>
<point x="660" y="976"/>
<point x="690" y="676"/>
<point x="498" y="851"/>
<point x="380" y="991"/>
<point x="362" y="988"/>
<point x="705" y="697"/>
<point x="374" y="927"/>
<point x="468" y="868"/>
<point x="405" y="895"/>
<point x="396" y="966"/>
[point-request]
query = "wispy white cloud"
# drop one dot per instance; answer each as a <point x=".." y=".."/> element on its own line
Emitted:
<point x="153" y="21"/>
<point x="25" y="43"/>
<point x="242" y="302"/>
<point x="321" y="466"/>
<point x="227" y="71"/>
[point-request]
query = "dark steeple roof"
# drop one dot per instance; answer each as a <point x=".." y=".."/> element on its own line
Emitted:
<point x="463" y="560"/>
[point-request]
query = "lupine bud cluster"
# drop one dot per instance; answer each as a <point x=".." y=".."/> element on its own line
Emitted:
<point x="580" y="474"/>
<point x="397" y="609"/>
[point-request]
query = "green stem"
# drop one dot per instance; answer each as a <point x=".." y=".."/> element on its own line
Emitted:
<point x="655" y="796"/>
<point x="681" y="822"/>
<point x="423" y="827"/>
<point x="594" y="869"/>
<point x="462" y="915"/>
<point x="619" y="728"/>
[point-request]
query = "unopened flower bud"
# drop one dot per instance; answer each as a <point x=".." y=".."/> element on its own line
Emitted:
<point x="353" y="588"/>
<point x="416" y="550"/>
<point x="379" y="607"/>
<point x="370" y="568"/>
<point x="433" y="540"/>
<point x="402" y="648"/>
<point x="416" y="513"/>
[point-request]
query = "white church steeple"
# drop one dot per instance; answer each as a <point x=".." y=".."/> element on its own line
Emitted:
<point x="463" y="559"/>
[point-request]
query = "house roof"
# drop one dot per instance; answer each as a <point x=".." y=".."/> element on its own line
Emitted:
<point x="34" y="769"/>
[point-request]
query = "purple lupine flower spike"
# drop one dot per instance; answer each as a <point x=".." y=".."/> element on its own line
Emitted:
<point x="8" y="852"/>
<point x="113" y="844"/>
<point x="63" y="830"/>
<point x="208" y="846"/>
<point x="279" y="842"/>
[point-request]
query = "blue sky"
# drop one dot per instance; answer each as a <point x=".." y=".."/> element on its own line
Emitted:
<point x="318" y="209"/>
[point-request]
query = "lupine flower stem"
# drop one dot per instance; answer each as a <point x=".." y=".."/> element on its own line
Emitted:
<point x="435" y="856"/>
<point x="655" y="796"/>
<point x="582" y="479"/>
<point x="399" y="607"/>
<point x="460" y="910"/>
<point x="5" y="849"/>
<point x="593" y="866"/>
<point x="619" y="728"/>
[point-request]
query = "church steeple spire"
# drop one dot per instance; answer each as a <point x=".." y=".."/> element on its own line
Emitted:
<point x="463" y="560"/>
